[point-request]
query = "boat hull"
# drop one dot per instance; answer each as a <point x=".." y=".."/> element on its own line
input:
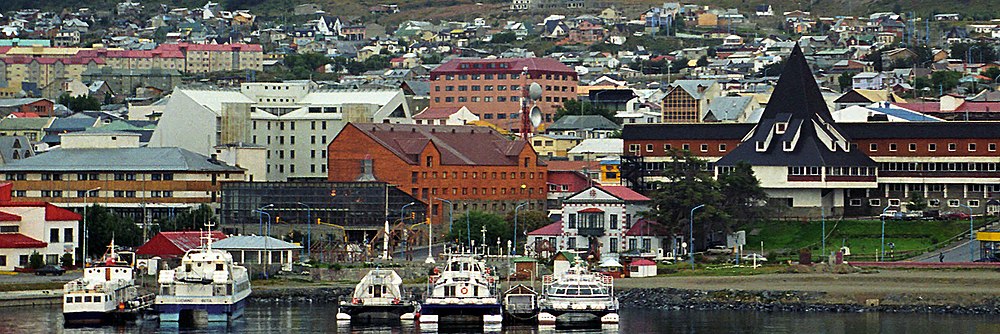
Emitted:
<point x="375" y="313"/>
<point x="460" y="313"/>
<point x="171" y="312"/>
<point x="97" y="318"/>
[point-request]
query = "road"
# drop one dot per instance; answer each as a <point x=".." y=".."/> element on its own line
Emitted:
<point x="957" y="252"/>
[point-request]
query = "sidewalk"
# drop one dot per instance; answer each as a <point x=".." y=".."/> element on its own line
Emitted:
<point x="30" y="298"/>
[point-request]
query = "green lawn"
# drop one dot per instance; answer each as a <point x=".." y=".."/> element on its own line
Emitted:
<point x="783" y="239"/>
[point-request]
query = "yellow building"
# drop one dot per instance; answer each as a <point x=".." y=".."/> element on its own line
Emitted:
<point x="610" y="171"/>
<point x="549" y="145"/>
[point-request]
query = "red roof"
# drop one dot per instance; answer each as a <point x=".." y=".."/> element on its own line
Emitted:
<point x="9" y="217"/>
<point x="550" y="229"/>
<point x="624" y="193"/>
<point x="172" y="244"/>
<point x="437" y="112"/>
<point x="575" y="180"/>
<point x="504" y="65"/>
<point x="591" y="210"/>
<point x="970" y="106"/>
<point x="18" y="240"/>
<point x="647" y="228"/>
<point x="642" y="262"/>
<point x="460" y="145"/>
<point x="210" y="47"/>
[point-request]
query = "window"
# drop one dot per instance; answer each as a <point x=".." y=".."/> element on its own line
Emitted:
<point x="780" y="127"/>
<point x="932" y="147"/>
<point x="992" y="147"/>
<point x="892" y="147"/>
<point x="873" y="147"/>
<point x="613" y="222"/>
<point x="855" y="202"/>
<point x="974" y="203"/>
<point x="572" y="220"/>
<point x="952" y="147"/>
<point x="613" y="244"/>
<point x="934" y="202"/>
<point x="649" y="147"/>
<point x="893" y="202"/>
<point x="54" y="235"/>
<point x="972" y="147"/>
<point x="953" y="203"/>
<point x="913" y="147"/>
<point x="704" y="147"/>
<point x="666" y="147"/>
<point x="633" y="147"/>
<point x="874" y="202"/>
<point x="722" y="147"/>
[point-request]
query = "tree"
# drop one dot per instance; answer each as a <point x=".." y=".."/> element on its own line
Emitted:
<point x="79" y="103"/>
<point x="103" y="225"/>
<point x="945" y="80"/>
<point x="845" y="80"/>
<point x="190" y="220"/>
<point x="916" y="202"/>
<point x="573" y="107"/>
<point x="743" y="198"/>
<point x="35" y="260"/>
<point x="689" y="185"/>
<point x="504" y="37"/>
<point x="66" y="260"/>
<point x="496" y="227"/>
<point x="528" y="221"/>
<point x="992" y="73"/>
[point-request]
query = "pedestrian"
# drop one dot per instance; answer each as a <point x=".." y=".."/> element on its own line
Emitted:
<point x="941" y="257"/>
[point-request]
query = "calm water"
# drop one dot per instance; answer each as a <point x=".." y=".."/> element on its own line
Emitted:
<point x="285" y="318"/>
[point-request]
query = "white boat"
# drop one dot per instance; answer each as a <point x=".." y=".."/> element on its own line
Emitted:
<point x="104" y="292"/>
<point x="463" y="290"/>
<point x="578" y="296"/>
<point x="378" y="297"/>
<point x="207" y="286"/>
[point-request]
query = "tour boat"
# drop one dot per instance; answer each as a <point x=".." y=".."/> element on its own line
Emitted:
<point x="378" y="297"/>
<point x="207" y="286"/>
<point x="578" y="296"/>
<point x="463" y="290"/>
<point x="105" y="292"/>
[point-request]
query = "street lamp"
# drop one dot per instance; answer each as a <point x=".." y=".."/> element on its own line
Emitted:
<point x="451" y="208"/>
<point x="260" y="217"/>
<point x="822" y="214"/>
<point x="883" y="232"/>
<point x="516" y="208"/>
<point x="309" y="237"/>
<point x="385" y="238"/>
<point x="86" y="233"/>
<point x="972" y="255"/>
<point x="691" y="236"/>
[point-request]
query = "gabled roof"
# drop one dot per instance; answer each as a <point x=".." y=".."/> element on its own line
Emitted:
<point x="171" y="244"/>
<point x="624" y="193"/>
<point x="458" y="144"/>
<point x="119" y="159"/>
<point x="695" y="88"/>
<point x="550" y="229"/>
<point x="810" y="137"/>
<point x="729" y="108"/>
<point x="18" y="240"/>
<point x="578" y="122"/>
<point x="9" y="217"/>
<point x="437" y="112"/>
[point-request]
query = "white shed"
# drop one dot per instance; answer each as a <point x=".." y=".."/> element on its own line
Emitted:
<point x="642" y="268"/>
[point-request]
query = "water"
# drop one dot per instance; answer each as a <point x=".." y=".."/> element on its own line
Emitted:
<point x="318" y="318"/>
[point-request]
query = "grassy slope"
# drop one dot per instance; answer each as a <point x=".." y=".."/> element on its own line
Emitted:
<point x="863" y="237"/>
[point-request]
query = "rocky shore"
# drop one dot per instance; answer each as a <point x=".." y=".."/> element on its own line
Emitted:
<point x="676" y="299"/>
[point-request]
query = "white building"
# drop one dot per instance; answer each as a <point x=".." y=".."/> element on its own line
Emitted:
<point x="30" y="227"/>
<point x="445" y="116"/>
<point x="596" y="220"/>
<point x="294" y="121"/>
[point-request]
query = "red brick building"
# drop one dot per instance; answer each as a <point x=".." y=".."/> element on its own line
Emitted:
<point x="491" y="88"/>
<point x="475" y="168"/>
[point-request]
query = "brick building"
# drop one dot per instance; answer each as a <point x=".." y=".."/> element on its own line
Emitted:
<point x="476" y="168"/>
<point x="491" y="88"/>
<point x="40" y="107"/>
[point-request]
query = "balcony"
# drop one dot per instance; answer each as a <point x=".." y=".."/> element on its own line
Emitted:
<point x="590" y="231"/>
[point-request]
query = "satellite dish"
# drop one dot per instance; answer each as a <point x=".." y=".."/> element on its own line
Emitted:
<point x="535" y="116"/>
<point x="535" y="91"/>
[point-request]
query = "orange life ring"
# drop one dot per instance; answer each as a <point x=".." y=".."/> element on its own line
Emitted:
<point x="465" y="290"/>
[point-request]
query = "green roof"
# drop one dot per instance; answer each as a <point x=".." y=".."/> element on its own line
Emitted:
<point x="126" y="159"/>
<point x="25" y="123"/>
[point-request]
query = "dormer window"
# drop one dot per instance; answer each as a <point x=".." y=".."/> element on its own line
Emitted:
<point x="788" y="146"/>
<point x="780" y="127"/>
<point x="761" y="146"/>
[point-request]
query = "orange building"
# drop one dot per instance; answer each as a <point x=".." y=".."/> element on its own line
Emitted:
<point x="491" y="88"/>
<point x="475" y="168"/>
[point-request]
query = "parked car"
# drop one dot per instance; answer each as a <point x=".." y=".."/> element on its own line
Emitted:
<point x="720" y="250"/>
<point x="888" y="214"/>
<point x="954" y="215"/>
<point x="750" y="257"/>
<point x="51" y="269"/>
<point x="908" y="215"/>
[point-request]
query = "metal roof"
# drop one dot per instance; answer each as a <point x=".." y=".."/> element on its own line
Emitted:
<point x="128" y="159"/>
<point x="253" y="242"/>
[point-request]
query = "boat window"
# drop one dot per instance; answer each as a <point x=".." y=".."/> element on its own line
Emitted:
<point x="187" y="267"/>
<point x="377" y="293"/>
<point x="560" y="291"/>
<point x="465" y="266"/>
<point x="87" y="299"/>
<point x="455" y="266"/>
<point x="573" y="291"/>
<point x="585" y="292"/>
<point x="218" y="267"/>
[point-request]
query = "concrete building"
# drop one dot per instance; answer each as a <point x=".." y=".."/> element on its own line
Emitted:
<point x="30" y="227"/>
<point x="294" y="121"/>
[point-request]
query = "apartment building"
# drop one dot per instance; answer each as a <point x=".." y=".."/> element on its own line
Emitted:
<point x="140" y="182"/>
<point x="293" y="121"/>
<point x="491" y="88"/>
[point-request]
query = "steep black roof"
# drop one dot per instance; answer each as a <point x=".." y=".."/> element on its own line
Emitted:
<point x="796" y="129"/>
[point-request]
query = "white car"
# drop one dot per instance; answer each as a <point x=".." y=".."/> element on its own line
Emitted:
<point x="752" y="256"/>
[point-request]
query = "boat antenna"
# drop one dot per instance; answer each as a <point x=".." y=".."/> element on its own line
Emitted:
<point x="208" y="236"/>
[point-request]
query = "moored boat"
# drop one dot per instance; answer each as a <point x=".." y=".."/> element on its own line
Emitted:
<point x="464" y="290"/>
<point x="106" y="292"/>
<point x="578" y="296"/>
<point x="520" y="304"/>
<point x="378" y="297"/>
<point x="207" y="287"/>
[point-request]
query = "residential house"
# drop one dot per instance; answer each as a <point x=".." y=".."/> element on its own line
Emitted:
<point x="28" y="228"/>
<point x="731" y="109"/>
<point x="688" y="100"/>
<point x="553" y="145"/>
<point x="596" y="149"/>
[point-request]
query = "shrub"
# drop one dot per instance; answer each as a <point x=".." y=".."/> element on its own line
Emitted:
<point x="66" y="260"/>
<point x="35" y="261"/>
